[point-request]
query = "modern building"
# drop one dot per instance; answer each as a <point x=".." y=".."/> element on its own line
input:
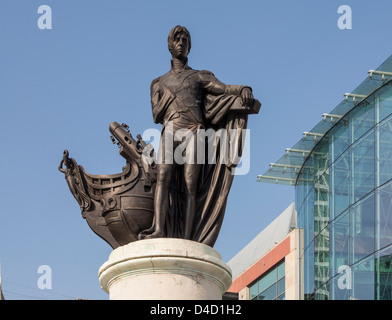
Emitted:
<point x="268" y="267"/>
<point x="342" y="174"/>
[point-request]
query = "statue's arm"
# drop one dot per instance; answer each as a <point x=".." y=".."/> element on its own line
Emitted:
<point x="213" y="85"/>
<point x="159" y="101"/>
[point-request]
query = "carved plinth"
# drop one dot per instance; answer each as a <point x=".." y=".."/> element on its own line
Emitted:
<point x="165" y="269"/>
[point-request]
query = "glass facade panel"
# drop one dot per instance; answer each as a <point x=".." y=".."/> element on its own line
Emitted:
<point x="363" y="280"/>
<point x="321" y="158"/>
<point x="322" y="293"/>
<point x="321" y="185"/>
<point x="362" y="167"/>
<point x="308" y="261"/>
<point x="303" y="189"/>
<point x="361" y="120"/>
<point x="321" y="203"/>
<point x="384" y="225"/>
<point x="299" y="197"/>
<point x="300" y="192"/>
<point x="384" y="274"/>
<point x="384" y="151"/>
<point x="340" y="286"/>
<point x="321" y="258"/>
<point x="309" y="218"/>
<point x="339" y="140"/>
<point x="340" y="243"/>
<point x="384" y="104"/>
<point x="362" y="224"/>
<point x="340" y="185"/>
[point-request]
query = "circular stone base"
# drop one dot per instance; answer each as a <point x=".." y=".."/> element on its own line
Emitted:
<point x="165" y="269"/>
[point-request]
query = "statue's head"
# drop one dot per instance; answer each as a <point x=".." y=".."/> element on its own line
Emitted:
<point x="179" y="42"/>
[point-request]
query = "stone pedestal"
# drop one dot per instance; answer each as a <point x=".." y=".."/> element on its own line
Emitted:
<point x="165" y="269"/>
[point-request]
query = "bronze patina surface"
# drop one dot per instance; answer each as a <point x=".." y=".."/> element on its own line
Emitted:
<point x="166" y="198"/>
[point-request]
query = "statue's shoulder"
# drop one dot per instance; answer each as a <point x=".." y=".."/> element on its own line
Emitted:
<point x="206" y="75"/>
<point x="155" y="81"/>
<point x="207" y="72"/>
<point x="160" y="79"/>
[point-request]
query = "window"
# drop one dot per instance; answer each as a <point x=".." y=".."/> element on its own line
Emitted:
<point x="271" y="285"/>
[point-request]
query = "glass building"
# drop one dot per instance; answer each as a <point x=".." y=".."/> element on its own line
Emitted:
<point x="342" y="173"/>
<point x="270" y="286"/>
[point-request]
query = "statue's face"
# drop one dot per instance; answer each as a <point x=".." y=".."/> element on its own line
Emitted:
<point x="180" y="46"/>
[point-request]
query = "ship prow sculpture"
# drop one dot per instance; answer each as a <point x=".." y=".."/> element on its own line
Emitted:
<point x="117" y="207"/>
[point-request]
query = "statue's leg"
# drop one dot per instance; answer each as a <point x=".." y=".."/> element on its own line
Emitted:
<point x="165" y="169"/>
<point x="161" y="199"/>
<point x="191" y="177"/>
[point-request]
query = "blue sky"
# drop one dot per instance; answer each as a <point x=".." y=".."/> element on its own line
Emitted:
<point x="60" y="89"/>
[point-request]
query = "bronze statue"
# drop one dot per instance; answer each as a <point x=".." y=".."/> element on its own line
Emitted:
<point x="179" y="97"/>
<point x="169" y="199"/>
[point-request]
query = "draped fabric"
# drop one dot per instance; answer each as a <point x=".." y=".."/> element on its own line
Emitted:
<point x="215" y="178"/>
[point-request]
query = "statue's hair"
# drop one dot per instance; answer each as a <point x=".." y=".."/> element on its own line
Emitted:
<point x="173" y="32"/>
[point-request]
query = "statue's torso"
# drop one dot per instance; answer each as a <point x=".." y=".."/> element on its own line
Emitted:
<point x="188" y="89"/>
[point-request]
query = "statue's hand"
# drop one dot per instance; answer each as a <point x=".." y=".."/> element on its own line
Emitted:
<point x="247" y="97"/>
